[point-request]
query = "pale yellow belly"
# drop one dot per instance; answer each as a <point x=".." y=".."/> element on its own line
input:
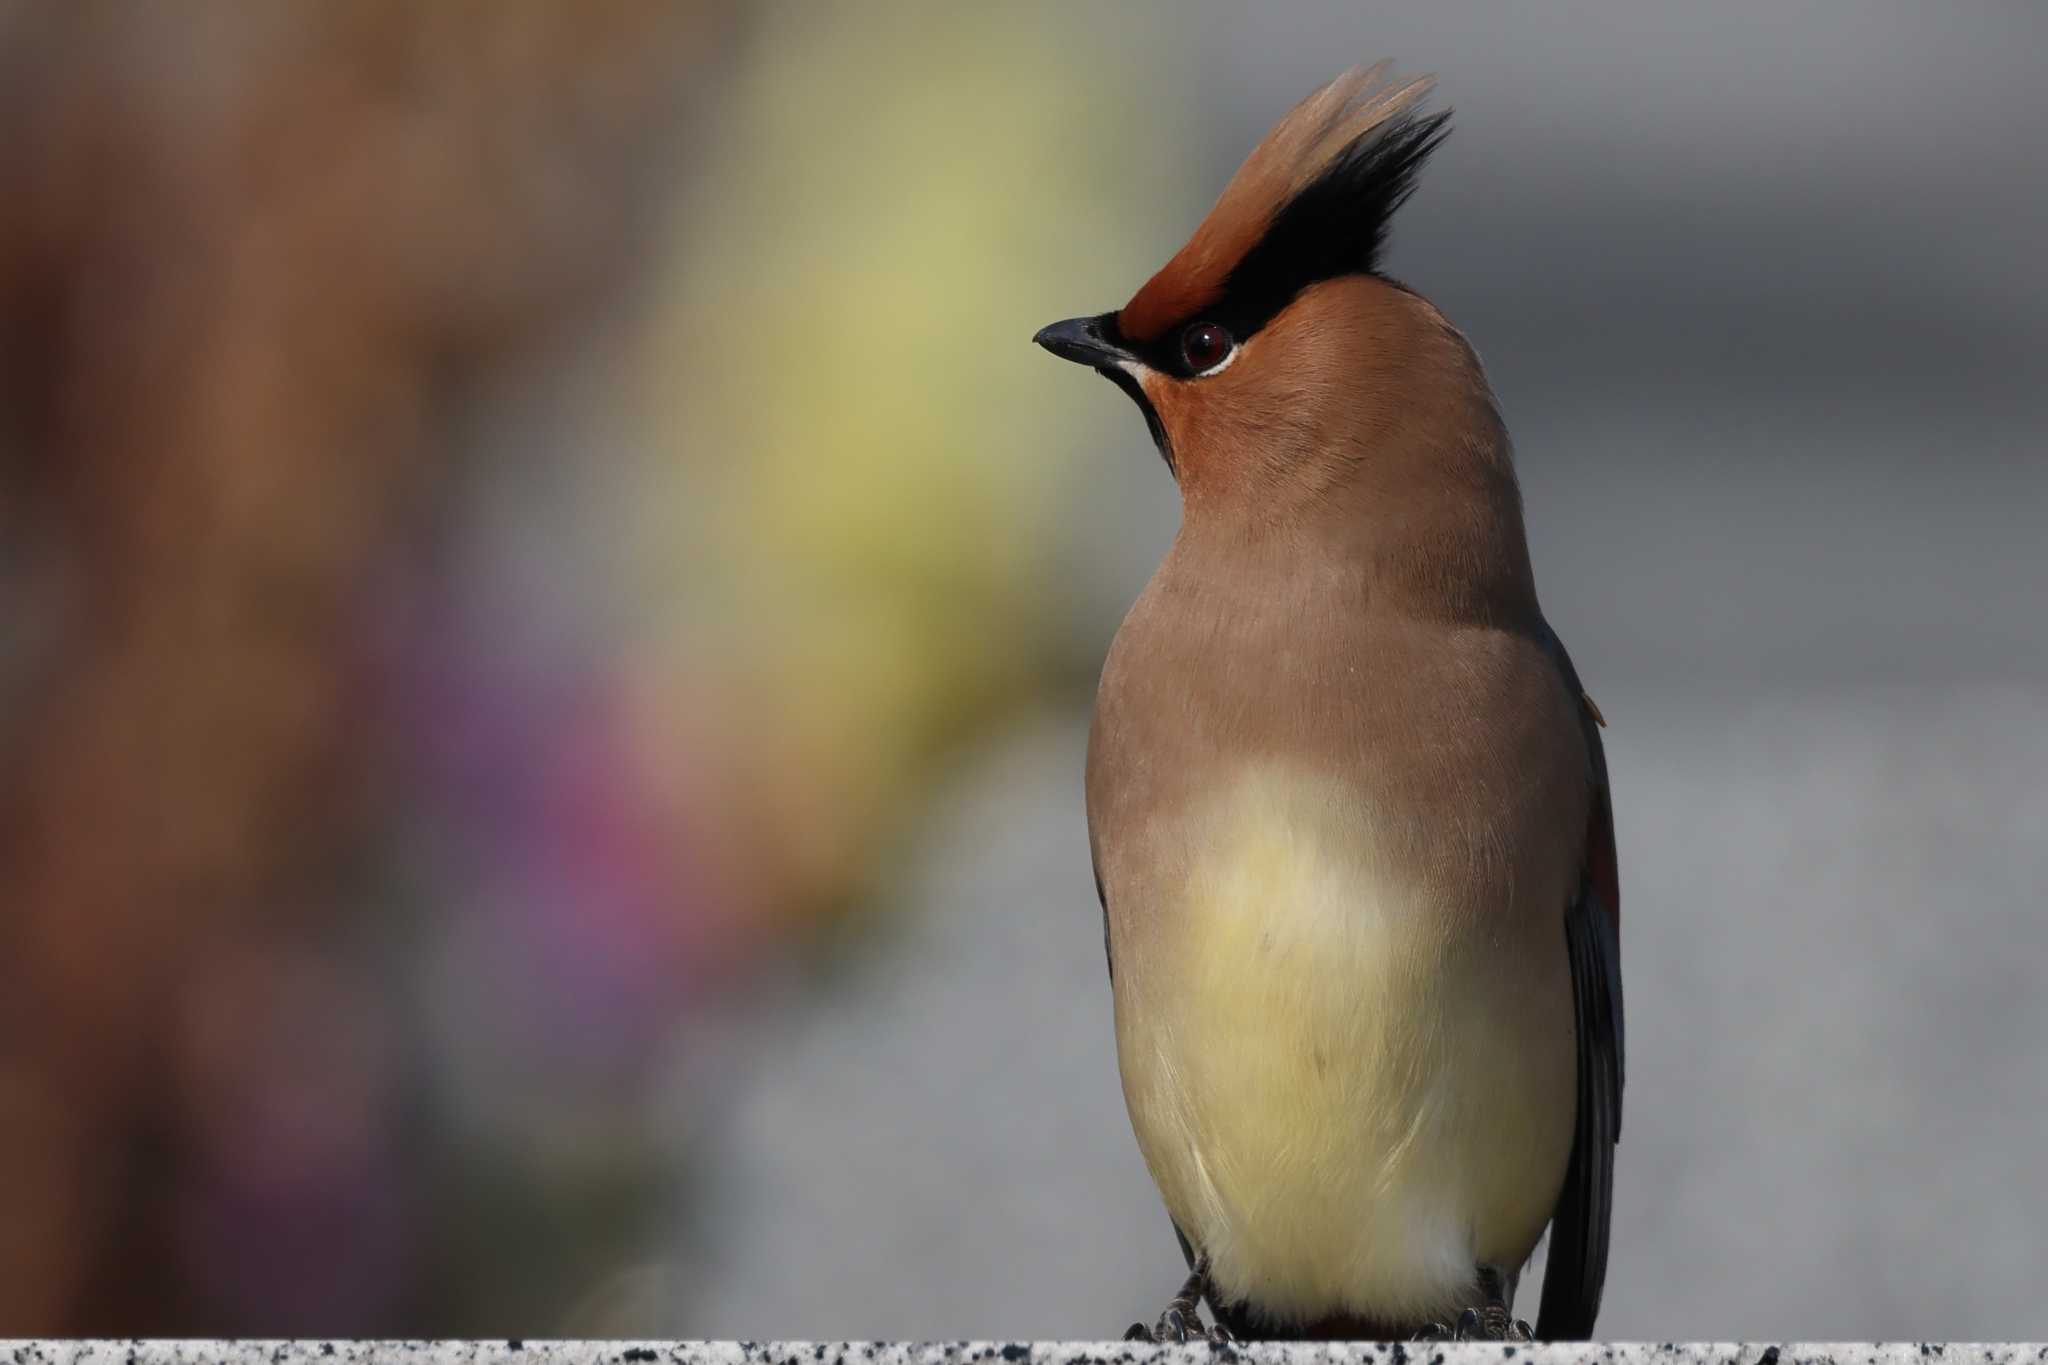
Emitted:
<point x="1349" y="1094"/>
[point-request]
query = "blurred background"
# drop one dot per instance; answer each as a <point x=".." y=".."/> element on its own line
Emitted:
<point x="548" y="610"/>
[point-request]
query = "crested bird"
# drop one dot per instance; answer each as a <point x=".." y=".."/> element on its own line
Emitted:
<point x="1347" y="801"/>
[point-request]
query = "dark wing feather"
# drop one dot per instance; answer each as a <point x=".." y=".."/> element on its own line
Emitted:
<point x="1578" y="1229"/>
<point x="1103" y="901"/>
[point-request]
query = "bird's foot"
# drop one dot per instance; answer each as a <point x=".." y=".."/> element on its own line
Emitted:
<point x="1174" y="1328"/>
<point x="1491" y="1323"/>
<point x="1182" y="1320"/>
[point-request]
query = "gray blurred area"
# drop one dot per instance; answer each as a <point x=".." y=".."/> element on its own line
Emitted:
<point x="1761" y="289"/>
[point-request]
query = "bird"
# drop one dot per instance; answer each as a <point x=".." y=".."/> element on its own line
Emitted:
<point x="1348" y="805"/>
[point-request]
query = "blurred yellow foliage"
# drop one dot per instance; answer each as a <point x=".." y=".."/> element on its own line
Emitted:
<point x="861" y="456"/>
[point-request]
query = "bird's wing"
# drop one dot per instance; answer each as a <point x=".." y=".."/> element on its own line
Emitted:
<point x="1578" y="1229"/>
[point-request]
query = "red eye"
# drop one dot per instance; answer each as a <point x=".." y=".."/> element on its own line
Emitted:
<point x="1205" y="346"/>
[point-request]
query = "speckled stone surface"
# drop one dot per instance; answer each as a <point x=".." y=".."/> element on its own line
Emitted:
<point x="994" y="1353"/>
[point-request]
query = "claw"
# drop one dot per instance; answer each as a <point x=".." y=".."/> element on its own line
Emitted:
<point x="1176" y="1327"/>
<point x="1182" y="1320"/>
<point x="1491" y="1323"/>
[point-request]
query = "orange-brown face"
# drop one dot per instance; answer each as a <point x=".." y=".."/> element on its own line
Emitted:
<point x="1291" y="405"/>
<point x="1294" y="408"/>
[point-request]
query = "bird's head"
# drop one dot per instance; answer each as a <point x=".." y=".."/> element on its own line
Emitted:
<point x="1271" y="360"/>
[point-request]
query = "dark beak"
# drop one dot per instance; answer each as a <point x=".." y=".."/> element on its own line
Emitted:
<point x="1099" y="343"/>
<point x="1086" y="341"/>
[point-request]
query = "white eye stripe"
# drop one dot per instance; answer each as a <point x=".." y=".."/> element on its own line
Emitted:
<point x="1229" y="359"/>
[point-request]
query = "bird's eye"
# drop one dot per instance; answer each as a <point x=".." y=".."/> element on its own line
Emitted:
<point x="1205" y="346"/>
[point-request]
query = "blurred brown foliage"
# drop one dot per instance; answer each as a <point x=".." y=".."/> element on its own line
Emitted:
<point x="248" y="256"/>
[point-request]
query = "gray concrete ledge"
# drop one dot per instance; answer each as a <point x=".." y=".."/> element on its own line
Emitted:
<point x="993" y="1353"/>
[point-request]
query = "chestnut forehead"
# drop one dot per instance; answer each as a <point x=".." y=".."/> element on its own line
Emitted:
<point x="1189" y="285"/>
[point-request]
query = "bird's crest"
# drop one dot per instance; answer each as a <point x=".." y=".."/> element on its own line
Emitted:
<point x="1312" y="201"/>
